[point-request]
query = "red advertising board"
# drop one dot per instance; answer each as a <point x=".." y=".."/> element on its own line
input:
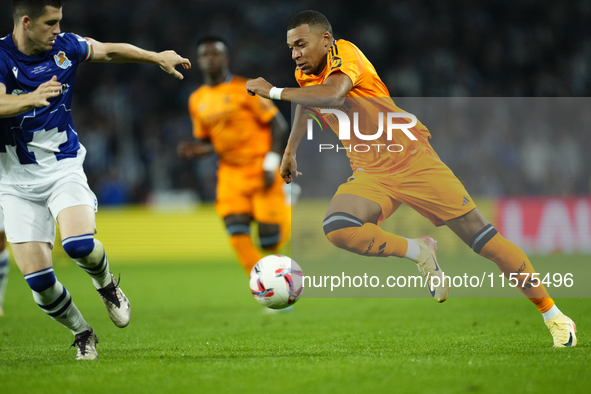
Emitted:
<point x="546" y="224"/>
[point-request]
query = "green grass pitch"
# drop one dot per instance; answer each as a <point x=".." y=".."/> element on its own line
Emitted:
<point x="195" y="328"/>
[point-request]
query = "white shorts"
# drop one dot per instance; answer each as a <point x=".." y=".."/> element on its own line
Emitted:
<point x="30" y="211"/>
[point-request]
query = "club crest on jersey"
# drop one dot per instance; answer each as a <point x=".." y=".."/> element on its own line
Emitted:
<point x="61" y="60"/>
<point x="336" y="62"/>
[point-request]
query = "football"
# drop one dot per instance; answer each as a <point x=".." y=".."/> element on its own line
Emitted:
<point x="276" y="281"/>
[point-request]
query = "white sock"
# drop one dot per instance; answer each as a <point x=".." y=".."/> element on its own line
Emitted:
<point x="413" y="251"/>
<point x="96" y="265"/>
<point x="551" y="313"/>
<point x="57" y="303"/>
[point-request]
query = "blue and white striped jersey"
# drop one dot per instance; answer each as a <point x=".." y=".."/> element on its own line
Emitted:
<point x="38" y="145"/>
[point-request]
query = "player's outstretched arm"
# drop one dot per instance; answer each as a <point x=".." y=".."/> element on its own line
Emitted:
<point x="330" y="94"/>
<point x="289" y="166"/>
<point x="126" y="53"/>
<point x="197" y="148"/>
<point x="279" y="134"/>
<point x="12" y="105"/>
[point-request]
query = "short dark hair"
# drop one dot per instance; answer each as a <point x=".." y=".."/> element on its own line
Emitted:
<point x="311" y="18"/>
<point x="210" y="40"/>
<point x="33" y="8"/>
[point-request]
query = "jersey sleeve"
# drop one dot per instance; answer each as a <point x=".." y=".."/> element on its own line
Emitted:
<point x="79" y="46"/>
<point x="344" y="58"/>
<point x="199" y="129"/>
<point x="263" y="109"/>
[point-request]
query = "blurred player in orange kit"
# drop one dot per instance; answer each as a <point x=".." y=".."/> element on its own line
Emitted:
<point x="248" y="134"/>
<point x="336" y="74"/>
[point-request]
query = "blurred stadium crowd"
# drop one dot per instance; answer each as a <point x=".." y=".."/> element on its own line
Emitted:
<point x="131" y="117"/>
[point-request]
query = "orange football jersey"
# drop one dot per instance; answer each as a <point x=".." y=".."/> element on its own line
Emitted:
<point x="236" y="123"/>
<point x="368" y="98"/>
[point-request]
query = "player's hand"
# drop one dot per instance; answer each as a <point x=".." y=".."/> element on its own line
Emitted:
<point x="191" y="149"/>
<point x="289" y="168"/>
<point x="46" y="90"/>
<point x="169" y="60"/>
<point x="258" y="86"/>
<point x="269" y="177"/>
<point x="185" y="149"/>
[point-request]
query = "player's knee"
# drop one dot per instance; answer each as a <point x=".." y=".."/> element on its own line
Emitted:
<point x="269" y="236"/>
<point x="340" y="229"/>
<point x="41" y="280"/>
<point x="80" y="246"/>
<point x="482" y="238"/>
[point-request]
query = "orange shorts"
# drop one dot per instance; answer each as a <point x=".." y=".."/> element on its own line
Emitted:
<point x="428" y="186"/>
<point x="240" y="190"/>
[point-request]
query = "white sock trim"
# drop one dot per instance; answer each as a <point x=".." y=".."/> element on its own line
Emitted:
<point x="413" y="250"/>
<point x="551" y="313"/>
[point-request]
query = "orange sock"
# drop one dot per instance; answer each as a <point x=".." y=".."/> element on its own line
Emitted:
<point x="511" y="259"/>
<point x="284" y="233"/>
<point x="368" y="240"/>
<point x="543" y="304"/>
<point x="248" y="255"/>
<point x="285" y="229"/>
